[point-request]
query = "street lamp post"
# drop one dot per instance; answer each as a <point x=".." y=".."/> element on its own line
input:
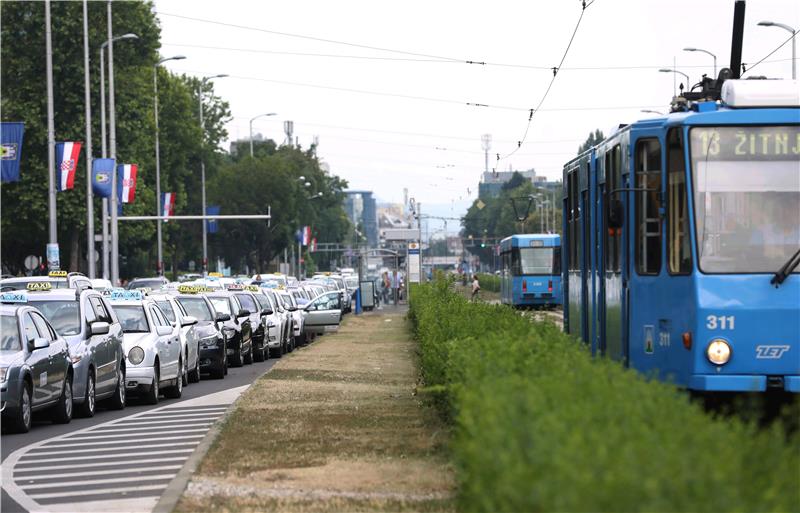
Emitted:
<point x="794" y="42"/>
<point x="691" y="49"/>
<point x="160" y="266"/>
<point x="104" y="146"/>
<point x="251" y="128"/>
<point x="51" y="138"/>
<point x="674" y="71"/>
<point x="203" y="169"/>
<point x="88" y="100"/>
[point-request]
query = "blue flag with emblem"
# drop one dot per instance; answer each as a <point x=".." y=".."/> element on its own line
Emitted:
<point x="212" y="210"/>
<point x="11" y="139"/>
<point x="102" y="170"/>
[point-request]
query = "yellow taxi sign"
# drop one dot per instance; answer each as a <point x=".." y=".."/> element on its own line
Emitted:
<point x="251" y="288"/>
<point x="188" y="289"/>
<point x="57" y="274"/>
<point x="215" y="275"/>
<point x="39" y="285"/>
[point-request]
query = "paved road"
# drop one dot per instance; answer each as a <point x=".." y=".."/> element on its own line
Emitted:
<point x="118" y="460"/>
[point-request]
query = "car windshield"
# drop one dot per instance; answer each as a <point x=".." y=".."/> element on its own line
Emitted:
<point x="63" y="315"/>
<point x="221" y="305"/>
<point x="7" y="285"/>
<point x="145" y="283"/>
<point x="352" y="282"/>
<point x="166" y="308"/>
<point x="263" y="301"/>
<point x="287" y="302"/>
<point x="9" y="334"/>
<point x="196" y="307"/>
<point x="132" y="318"/>
<point x="746" y="184"/>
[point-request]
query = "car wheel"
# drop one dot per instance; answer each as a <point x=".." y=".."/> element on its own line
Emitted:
<point x="87" y="408"/>
<point x="237" y="357"/>
<point x="259" y="355"/>
<point x="152" y="395"/>
<point x="194" y="377"/>
<point x="176" y="390"/>
<point x="117" y="401"/>
<point x="248" y="358"/>
<point x="185" y="371"/>
<point x="21" y="422"/>
<point x="62" y="411"/>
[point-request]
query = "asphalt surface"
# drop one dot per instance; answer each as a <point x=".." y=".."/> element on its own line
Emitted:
<point x="128" y="457"/>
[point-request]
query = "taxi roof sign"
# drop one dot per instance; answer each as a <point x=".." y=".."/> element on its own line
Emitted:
<point x="215" y="275"/>
<point x="126" y="295"/>
<point x="251" y="288"/>
<point x="57" y="274"/>
<point x="234" y="286"/>
<point x="13" y="297"/>
<point x="39" y="285"/>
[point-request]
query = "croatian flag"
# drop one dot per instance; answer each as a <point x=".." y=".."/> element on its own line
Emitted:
<point x="168" y="204"/>
<point x="67" y="161"/>
<point x="126" y="182"/>
<point x="306" y="235"/>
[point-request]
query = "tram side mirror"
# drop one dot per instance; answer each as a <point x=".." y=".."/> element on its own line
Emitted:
<point x="615" y="214"/>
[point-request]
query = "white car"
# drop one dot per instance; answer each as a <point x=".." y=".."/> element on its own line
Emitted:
<point x="184" y="326"/>
<point x="274" y="323"/>
<point x="287" y="339"/>
<point x="152" y="349"/>
<point x="298" y="316"/>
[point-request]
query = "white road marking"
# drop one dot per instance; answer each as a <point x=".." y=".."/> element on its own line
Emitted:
<point x="96" y="481"/>
<point x="85" y="459"/>
<point x="127" y="435"/>
<point x="106" y="464"/>
<point x="85" y="449"/>
<point x="156" y="429"/>
<point x="139" y="422"/>
<point x="78" y="493"/>
<point x="36" y="477"/>
<point x="83" y="445"/>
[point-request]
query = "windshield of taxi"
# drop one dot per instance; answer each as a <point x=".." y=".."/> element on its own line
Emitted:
<point x="221" y="305"/>
<point x="196" y="307"/>
<point x="7" y="285"/>
<point x="746" y="184"/>
<point x="132" y="318"/>
<point x="9" y="334"/>
<point x="63" y="315"/>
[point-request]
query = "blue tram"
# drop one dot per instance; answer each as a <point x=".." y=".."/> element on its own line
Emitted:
<point x="531" y="270"/>
<point x="682" y="241"/>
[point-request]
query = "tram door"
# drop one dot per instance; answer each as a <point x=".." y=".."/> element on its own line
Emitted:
<point x="614" y="216"/>
<point x="586" y="311"/>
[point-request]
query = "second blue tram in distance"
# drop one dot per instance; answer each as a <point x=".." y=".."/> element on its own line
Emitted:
<point x="531" y="270"/>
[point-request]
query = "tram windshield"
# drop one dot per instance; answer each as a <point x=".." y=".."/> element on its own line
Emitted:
<point x="533" y="261"/>
<point x="746" y="197"/>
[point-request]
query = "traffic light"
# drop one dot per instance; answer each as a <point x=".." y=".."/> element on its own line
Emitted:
<point x="483" y="244"/>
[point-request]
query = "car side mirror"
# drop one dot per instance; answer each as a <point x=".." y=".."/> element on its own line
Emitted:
<point x="163" y="331"/>
<point x="615" y="214"/>
<point x="292" y="309"/>
<point x="189" y="321"/>
<point x="222" y="317"/>
<point x="100" y="328"/>
<point x="40" y="343"/>
<point x="243" y="313"/>
<point x="268" y="311"/>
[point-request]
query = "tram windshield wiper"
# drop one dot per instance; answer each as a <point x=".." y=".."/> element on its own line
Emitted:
<point x="786" y="270"/>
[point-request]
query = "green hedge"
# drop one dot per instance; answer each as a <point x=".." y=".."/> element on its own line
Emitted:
<point x="540" y="425"/>
<point x="489" y="282"/>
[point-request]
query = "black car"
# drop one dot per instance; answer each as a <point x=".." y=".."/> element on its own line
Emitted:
<point x="237" y="328"/>
<point x="258" y="319"/>
<point x="213" y="340"/>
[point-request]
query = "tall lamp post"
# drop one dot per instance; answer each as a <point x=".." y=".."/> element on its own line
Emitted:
<point x="691" y="49"/>
<point x="160" y="266"/>
<point x="251" y="128"/>
<point x="104" y="146"/>
<point x="794" y="42"/>
<point x="51" y="143"/>
<point x="674" y="71"/>
<point x="203" y="168"/>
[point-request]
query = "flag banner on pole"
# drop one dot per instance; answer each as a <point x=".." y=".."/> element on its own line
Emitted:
<point x="66" y="164"/>
<point x="212" y="210"/>
<point x="126" y="182"/>
<point x="167" y="204"/>
<point x="11" y="140"/>
<point x="101" y="177"/>
<point x="313" y="246"/>
<point x="306" y="235"/>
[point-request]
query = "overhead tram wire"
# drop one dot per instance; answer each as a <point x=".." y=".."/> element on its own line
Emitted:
<point x="547" y="91"/>
<point x="768" y="55"/>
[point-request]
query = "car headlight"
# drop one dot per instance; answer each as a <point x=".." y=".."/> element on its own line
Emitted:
<point x="209" y="342"/>
<point x="718" y="352"/>
<point x="136" y="355"/>
<point x="3" y="374"/>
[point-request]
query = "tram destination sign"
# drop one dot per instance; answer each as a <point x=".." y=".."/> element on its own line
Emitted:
<point x="746" y="143"/>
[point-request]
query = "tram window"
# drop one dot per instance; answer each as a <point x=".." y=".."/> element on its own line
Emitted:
<point x="572" y="222"/>
<point x="613" y="235"/>
<point x="679" y="252"/>
<point x="648" y="222"/>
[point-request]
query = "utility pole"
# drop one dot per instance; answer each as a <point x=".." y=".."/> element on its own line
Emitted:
<point x="53" y="258"/>
<point x="288" y="128"/>
<point x="87" y="99"/>
<point x="104" y="154"/>
<point x="486" y="142"/>
<point x="112" y="136"/>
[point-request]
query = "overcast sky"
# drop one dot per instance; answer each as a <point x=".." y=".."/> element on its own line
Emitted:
<point x="431" y="144"/>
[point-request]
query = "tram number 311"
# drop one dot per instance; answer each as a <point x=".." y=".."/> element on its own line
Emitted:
<point x="721" y="322"/>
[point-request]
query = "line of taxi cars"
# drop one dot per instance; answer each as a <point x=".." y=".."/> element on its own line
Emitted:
<point x="66" y="346"/>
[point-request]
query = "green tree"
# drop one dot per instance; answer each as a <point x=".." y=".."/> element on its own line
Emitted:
<point x="594" y="138"/>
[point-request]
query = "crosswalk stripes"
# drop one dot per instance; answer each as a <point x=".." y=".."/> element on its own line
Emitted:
<point x="126" y="461"/>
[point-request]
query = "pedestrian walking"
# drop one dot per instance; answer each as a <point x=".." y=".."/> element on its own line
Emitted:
<point x="476" y="287"/>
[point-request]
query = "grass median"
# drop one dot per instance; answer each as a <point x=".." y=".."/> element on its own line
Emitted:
<point x="335" y="426"/>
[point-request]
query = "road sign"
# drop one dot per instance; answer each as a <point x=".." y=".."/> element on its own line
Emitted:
<point x="412" y="260"/>
<point x="31" y="262"/>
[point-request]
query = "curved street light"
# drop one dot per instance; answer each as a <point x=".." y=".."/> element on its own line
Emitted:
<point x="203" y="168"/>
<point x="673" y="71"/>
<point x="251" y="127"/>
<point x="691" y="49"/>
<point x="794" y="41"/>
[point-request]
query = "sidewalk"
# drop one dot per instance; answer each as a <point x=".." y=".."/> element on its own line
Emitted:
<point x="334" y="426"/>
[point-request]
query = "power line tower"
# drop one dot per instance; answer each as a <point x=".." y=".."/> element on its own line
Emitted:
<point x="486" y="142"/>
<point x="288" y="128"/>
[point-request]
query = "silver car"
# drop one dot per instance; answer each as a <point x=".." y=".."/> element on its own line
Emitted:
<point x="94" y="335"/>
<point x="323" y="314"/>
<point x="184" y="327"/>
<point x="287" y="341"/>
<point x="154" y="356"/>
<point x="297" y="316"/>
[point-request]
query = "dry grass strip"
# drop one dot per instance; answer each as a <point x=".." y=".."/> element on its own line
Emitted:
<point x="333" y="427"/>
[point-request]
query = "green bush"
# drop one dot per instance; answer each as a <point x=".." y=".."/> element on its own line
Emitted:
<point x="489" y="282"/>
<point x="540" y="425"/>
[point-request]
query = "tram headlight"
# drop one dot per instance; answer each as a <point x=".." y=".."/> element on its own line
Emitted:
<point x="718" y="352"/>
